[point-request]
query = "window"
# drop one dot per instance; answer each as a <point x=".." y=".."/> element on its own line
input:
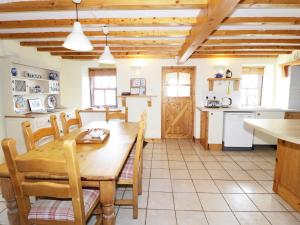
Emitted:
<point x="103" y="84"/>
<point x="251" y="86"/>
<point x="178" y="84"/>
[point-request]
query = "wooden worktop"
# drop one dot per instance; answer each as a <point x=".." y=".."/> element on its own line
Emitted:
<point x="287" y="130"/>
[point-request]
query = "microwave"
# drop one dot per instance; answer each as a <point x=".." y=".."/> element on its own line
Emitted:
<point x="19" y="86"/>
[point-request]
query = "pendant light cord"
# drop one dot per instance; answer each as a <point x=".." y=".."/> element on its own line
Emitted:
<point x="76" y="5"/>
<point x="106" y="39"/>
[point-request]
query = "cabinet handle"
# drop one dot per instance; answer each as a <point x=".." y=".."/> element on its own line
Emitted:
<point x="48" y="121"/>
<point x="211" y="113"/>
<point x="258" y="114"/>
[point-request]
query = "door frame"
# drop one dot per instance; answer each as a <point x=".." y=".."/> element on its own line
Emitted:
<point x="193" y="79"/>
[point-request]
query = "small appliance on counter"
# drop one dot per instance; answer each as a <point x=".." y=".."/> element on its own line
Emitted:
<point x="212" y="103"/>
<point x="228" y="73"/>
<point x="226" y="102"/>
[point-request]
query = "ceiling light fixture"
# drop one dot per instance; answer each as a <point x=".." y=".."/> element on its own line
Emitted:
<point x="106" y="57"/>
<point x="76" y="40"/>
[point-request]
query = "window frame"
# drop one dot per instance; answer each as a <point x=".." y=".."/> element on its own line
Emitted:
<point x="102" y="73"/>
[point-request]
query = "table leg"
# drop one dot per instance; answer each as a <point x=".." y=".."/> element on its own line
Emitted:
<point x="11" y="204"/>
<point x="107" y="199"/>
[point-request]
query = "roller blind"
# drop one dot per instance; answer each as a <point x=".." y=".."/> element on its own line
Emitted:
<point x="94" y="72"/>
<point x="253" y="70"/>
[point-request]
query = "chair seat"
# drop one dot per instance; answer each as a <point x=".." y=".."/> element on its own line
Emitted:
<point x="45" y="209"/>
<point x="132" y="153"/>
<point x="127" y="172"/>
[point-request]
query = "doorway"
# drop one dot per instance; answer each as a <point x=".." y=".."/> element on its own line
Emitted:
<point x="178" y="102"/>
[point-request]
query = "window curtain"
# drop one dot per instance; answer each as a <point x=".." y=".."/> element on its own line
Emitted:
<point x="94" y="72"/>
<point x="253" y="70"/>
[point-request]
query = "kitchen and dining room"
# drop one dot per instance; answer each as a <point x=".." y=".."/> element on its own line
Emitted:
<point x="169" y="112"/>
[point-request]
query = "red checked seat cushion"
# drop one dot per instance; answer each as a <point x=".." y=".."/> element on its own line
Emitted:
<point x="127" y="172"/>
<point x="45" y="209"/>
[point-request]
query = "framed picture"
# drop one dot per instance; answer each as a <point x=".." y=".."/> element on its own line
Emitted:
<point x="35" y="104"/>
<point x="138" y="86"/>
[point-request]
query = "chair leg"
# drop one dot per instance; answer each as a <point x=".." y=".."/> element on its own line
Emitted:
<point x="135" y="201"/>
<point x="140" y="185"/>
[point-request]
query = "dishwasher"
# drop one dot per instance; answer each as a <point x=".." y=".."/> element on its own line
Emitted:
<point x="237" y="136"/>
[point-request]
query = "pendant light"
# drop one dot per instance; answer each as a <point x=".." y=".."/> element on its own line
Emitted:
<point x="76" y="40"/>
<point x="106" y="57"/>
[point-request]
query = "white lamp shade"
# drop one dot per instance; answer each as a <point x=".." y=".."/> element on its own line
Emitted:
<point x="106" y="57"/>
<point x="77" y="41"/>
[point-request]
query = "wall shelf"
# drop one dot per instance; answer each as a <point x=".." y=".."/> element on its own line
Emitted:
<point x="236" y="82"/>
<point x="124" y="97"/>
<point x="285" y="67"/>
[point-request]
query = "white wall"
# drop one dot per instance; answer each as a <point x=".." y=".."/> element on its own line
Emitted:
<point x="25" y="55"/>
<point x="75" y="84"/>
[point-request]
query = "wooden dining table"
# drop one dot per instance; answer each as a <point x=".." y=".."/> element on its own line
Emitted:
<point x="100" y="165"/>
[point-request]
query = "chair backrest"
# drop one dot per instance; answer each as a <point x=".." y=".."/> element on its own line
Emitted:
<point x="31" y="138"/>
<point x="66" y="124"/>
<point x="139" y="148"/>
<point x="66" y="166"/>
<point x="116" y="115"/>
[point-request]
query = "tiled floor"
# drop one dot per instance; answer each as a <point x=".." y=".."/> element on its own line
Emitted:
<point x="185" y="185"/>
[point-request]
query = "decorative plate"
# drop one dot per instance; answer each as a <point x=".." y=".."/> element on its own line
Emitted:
<point x="52" y="102"/>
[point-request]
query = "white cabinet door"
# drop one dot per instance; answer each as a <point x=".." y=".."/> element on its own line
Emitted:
<point x="261" y="138"/>
<point x="215" y="127"/>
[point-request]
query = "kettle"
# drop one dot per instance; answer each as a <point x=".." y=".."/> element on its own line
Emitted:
<point x="226" y="102"/>
<point x="228" y="73"/>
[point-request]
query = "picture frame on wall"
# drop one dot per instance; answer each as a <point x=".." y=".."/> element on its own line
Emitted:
<point x="138" y="86"/>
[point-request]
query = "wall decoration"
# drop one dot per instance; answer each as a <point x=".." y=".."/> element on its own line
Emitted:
<point x="138" y="86"/>
<point x="35" y="104"/>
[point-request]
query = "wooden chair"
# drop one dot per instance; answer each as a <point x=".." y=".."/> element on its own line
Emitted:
<point x="131" y="174"/>
<point x="31" y="138"/>
<point x="66" y="124"/>
<point x="116" y="115"/>
<point x="65" y="203"/>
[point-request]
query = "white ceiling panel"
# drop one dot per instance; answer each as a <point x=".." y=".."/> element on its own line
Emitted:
<point x="273" y="12"/>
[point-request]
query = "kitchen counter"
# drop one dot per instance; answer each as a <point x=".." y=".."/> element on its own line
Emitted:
<point x="36" y="115"/>
<point x="246" y="109"/>
<point x="287" y="169"/>
<point x="288" y="130"/>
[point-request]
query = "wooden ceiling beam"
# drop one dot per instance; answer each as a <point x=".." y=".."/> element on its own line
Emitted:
<point x="166" y="43"/>
<point x="51" y="5"/>
<point x="243" y="52"/>
<point x="152" y="21"/>
<point x="251" y="41"/>
<point x="247" y="47"/>
<point x="113" y="53"/>
<point x="150" y="33"/>
<point x="155" y="56"/>
<point x="62" y="49"/>
<point x="256" y="32"/>
<point x="217" y="11"/>
<point x="261" y="20"/>
<point x="234" y="56"/>
<point x="269" y="4"/>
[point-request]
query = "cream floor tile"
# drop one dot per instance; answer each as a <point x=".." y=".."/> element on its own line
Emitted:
<point x="213" y="165"/>
<point x="213" y="202"/>
<point x="195" y="165"/>
<point x="259" y="175"/>
<point x="265" y="165"/>
<point x="146" y="173"/>
<point x="160" y="157"/>
<point x="239" y="175"/>
<point x="160" y="200"/>
<point x="145" y="184"/>
<point x="239" y="158"/>
<point x="159" y="151"/>
<point x="191" y="218"/>
<point x="143" y="199"/>
<point x="4" y="218"/>
<point x="163" y="217"/>
<point x="124" y="217"/>
<point x="177" y="165"/>
<point x="183" y="186"/>
<point x="251" y="187"/>
<point x="160" y="173"/>
<point x="265" y="202"/>
<point x="160" y="185"/>
<point x="208" y="158"/>
<point x="230" y="165"/>
<point x="200" y="174"/>
<point x="219" y="175"/>
<point x="206" y="186"/>
<point x="224" y="158"/>
<point x="221" y="218"/>
<point x="176" y="157"/>
<point x="248" y="166"/>
<point x="187" y="201"/>
<point x="191" y="158"/>
<point x="281" y="218"/>
<point x="180" y="174"/>
<point x="2" y="206"/>
<point x="251" y="218"/>
<point x="147" y="156"/>
<point x="282" y="202"/>
<point x="160" y="164"/>
<point x="147" y="164"/>
<point x="297" y="215"/>
<point x="268" y="185"/>
<point x="226" y="186"/>
<point x="239" y="202"/>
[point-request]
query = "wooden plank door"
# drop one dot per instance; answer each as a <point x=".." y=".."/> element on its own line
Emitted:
<point x="178" y="102"/>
